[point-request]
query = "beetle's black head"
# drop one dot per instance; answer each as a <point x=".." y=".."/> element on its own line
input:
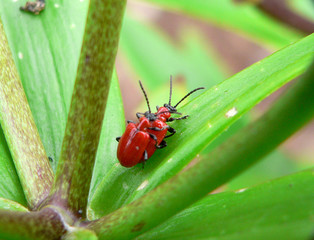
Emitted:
<point x="170" y="108"/>
<point x="150" y="116"/>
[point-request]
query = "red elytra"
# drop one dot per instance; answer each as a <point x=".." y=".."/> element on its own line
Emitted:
<point x="140" y="140"/>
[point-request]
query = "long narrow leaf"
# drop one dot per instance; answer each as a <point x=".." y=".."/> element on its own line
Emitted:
<point x="210" y="114"/>
<point x="112" y="127"/>
<point x="10" y="186"/>
<point x="11" y="205"/>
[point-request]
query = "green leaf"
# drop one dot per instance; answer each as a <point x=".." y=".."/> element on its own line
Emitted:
<point x="10" y="186"/>
<point x="46" y="50"/>
<point x="243" y="18"/>
<point x="11" y="205"/>
<point x="112" y="127"/>
<point x="235" y="127"/>
<point x="210" y="114"/>
<point x="279" y="209"/>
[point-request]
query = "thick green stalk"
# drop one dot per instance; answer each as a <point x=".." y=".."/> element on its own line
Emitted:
<point x="46" y="224"/>
<point x="96" y="63"/>
<point x="20" y="131"/>
<point x="286" y="116"/>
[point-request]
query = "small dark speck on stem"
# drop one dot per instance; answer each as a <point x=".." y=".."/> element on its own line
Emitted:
<point x="87" y="59"/>
<point x="138" y="227"/>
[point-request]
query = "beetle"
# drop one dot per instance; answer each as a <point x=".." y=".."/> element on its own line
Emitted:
<point x="140" y="140"/>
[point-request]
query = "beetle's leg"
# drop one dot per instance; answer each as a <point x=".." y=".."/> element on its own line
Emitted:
<point x="118" y="139"/>
<point x="157" y="107"/>
<point x="155" y="138"/>
<point x="145" y="155"/>
<point x="145" y="158"/>
<point x="162" y="144"/>
<point x="130" y="121"/>
<point x="139" y="115"/>
<point x="159" y="129"/>
<point x="180" y="118"/>
<point x="172" y="131"/>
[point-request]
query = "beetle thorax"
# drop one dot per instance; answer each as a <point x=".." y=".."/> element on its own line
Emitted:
<point x="163" y="114"/>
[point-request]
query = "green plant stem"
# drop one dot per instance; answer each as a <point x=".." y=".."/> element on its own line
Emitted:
<point x="96" y="63"/>
<point x="278" y="209"/>
<point x="45" y="225"/>
<point x="20" y="131"/>
<point x="285" y="117"/>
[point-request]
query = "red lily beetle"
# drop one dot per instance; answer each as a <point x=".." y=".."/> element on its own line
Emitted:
<point x="140" y="140"/>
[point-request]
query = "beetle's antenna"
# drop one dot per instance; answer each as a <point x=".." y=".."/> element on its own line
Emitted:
<point x="188" y="95"/>
<point x="145" y="96"/>
<point x="170" y="90"/>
